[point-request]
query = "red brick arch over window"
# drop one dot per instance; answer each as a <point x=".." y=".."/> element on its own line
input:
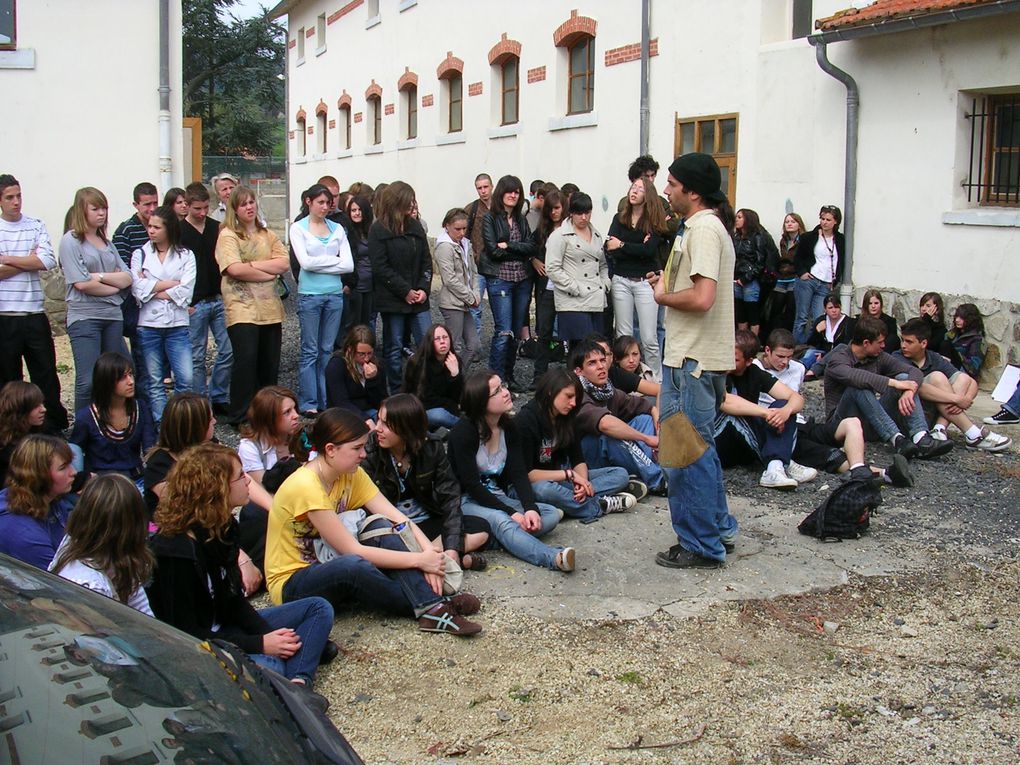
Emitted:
<point x="407" y="79"/>
<point x="449" y="66"/>
<point x="373" y="90"/>
<point x="301" y="115"/>
<point x="503" y="50"/>
<point x="574" y="28"/>
<point x="321" y="108"/>
<point x="344" y="102"/>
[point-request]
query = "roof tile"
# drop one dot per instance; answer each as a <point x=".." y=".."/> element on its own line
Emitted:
<point x="887" y="10"/>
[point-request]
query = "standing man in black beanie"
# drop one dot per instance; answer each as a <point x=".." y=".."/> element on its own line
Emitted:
<point x="695" y="289"/>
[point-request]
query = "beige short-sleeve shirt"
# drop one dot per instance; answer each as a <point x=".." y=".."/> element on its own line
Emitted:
<point x="249" y="302"/>
<point x="705" y="249"/>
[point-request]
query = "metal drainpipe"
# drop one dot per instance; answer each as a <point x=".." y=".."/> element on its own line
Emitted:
<point x="853" y="103"/>
<point x="644" y="118"/>
<point x="166" y="176"/>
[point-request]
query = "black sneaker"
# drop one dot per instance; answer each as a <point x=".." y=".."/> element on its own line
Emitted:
<point x="928" y="448"/>
<point x="906" y="447"/>
<point x="863" y="472"/>
<point x="899" y="472"/>
<point x="1002" y="417"/>
<point x="677" y="557"/>
<point x="729" y="546"/>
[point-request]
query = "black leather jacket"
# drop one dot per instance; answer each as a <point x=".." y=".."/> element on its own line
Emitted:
<point x="752" y="254"/>
<point x="430" y="481"/>
<point x="496" y="229"/>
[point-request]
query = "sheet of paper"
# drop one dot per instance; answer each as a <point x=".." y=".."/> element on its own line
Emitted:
<point x="1007" y="383"/>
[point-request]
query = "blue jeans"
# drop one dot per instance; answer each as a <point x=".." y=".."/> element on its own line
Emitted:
<point x="159" y="346"/>
<point x="749" y="293"/>
<point x="319" y="318"/>
<point x="512" y="537"/>
<point x="509" y="303"/>
<point x="90" y="339"/>
<point x="697" y="495"/>
<point x="633" y="456"/>
<point x="809" y="297"/>
<point x="605" y="481"/>
<point x="441" y="418"/>
<point x="311" y="619"/>
<point x="208" y="315"/>
<point x="880" y="415"/>
<point x="483" y="286"/>
<point x="393" y="326"/>
<point x="350" y="580"/>
<point x="1013" y="405"/>
<point x="766" y="442"/>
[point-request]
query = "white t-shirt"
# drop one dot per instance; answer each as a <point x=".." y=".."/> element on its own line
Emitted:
<point x="825" y="259"/>
<point x="78" y="572"/>
<point x="255" y="455"/>
<point x="792" y="377"/>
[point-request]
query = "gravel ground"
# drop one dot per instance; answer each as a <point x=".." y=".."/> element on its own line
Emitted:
<point x="918" y="668"/>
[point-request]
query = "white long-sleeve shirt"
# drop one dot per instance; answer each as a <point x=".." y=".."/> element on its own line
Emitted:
<point x="322" y="263"/>
<point x="147" y="271"/>
<point x="22" y="292"/>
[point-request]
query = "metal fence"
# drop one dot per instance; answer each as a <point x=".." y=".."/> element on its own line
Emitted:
<point x="248" y="169"/>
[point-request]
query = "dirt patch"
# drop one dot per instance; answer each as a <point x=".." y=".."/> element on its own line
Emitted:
<point x="919" y="668"/>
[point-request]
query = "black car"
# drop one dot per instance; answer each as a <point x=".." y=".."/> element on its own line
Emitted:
<point x="84" y="679"/>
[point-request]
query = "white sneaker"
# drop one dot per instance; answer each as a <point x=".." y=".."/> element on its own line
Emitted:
<point x="990" y="442"/>
<point x="617" y="503"/>
<point x="939" y="434"/>
<point x="801" y="473"/>
<point x="777" y="478"/>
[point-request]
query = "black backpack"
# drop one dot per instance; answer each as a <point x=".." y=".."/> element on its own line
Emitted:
<point x="846" y="512"/>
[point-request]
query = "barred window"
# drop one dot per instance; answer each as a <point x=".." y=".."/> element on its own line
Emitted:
<point x="994" y="174"/>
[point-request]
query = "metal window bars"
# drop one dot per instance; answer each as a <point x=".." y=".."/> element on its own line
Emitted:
<point x="994" y="167"/>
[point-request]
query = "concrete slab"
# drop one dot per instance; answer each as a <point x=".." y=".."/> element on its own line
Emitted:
<point x="617" y="578"/>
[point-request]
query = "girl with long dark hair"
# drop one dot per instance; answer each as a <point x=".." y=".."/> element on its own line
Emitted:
<point x="634" y="241"/>
<point x="435" y="376"/>
<point x="966" y="340"/>
<point x="402" y="275"/>
<point x="115" y="430"/>
<point x="413" y="472"/>
<point x="552" y="454"/>
<point x="105" y="549"/>
<point x="197" y="583"/>
<point x="753" y="248"/>
<point x="318" y="542"/>
<point x="321" y="247"/>
<point x="872" y="305"/>
<point x="358" y="307"/>
<point x="933" y="312"/>
<point x="163" y="281"/>
<point x="485" y="450"/>
<point x="553" y="212"/>
<point x="509" y="246"/>
<point x="176" y="199"/>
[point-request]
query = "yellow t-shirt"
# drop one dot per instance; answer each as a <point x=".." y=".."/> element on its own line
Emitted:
<point x="290" y="539"/>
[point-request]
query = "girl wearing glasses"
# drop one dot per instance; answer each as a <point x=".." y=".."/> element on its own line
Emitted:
<point x="353" y="378"/>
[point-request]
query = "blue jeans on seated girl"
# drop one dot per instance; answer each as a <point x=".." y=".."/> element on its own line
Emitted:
<point x="633" y="456"/>
<point x="605" y="481"/>
<point x="311" y="619"/>
<point x="440" y="417"/>
<point x="349" y="580"/>
<point x="512" y="537"/>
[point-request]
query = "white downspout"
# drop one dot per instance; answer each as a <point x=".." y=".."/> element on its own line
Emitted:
<point x="166" y="175"/>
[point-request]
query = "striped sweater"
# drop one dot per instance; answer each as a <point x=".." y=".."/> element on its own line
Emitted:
<point x="22" y="292"/>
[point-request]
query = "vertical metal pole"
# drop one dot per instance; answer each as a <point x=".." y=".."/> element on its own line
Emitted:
<point x="644" y="117"/>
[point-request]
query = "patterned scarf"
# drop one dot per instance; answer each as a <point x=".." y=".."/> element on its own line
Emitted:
<point x="600" y="394"/>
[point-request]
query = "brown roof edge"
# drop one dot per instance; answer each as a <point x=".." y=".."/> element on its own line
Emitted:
<point x="889" y="16"/>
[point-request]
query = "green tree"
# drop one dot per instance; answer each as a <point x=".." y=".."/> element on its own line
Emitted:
<point x="232" y="80"/>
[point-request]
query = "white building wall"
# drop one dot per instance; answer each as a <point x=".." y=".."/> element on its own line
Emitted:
<point x="86" y="114"/>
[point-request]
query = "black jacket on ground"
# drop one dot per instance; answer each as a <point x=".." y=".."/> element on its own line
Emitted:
<point x="400" y="263"/>
<point x="804" y="260"/>
<point x="463" y="443"/>
<point x="430" y="481"/>
<point x="496" y="229"/>
<point x="179" y="593"/>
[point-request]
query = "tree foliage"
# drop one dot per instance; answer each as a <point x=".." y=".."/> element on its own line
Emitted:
<point x="231" y="77"/>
